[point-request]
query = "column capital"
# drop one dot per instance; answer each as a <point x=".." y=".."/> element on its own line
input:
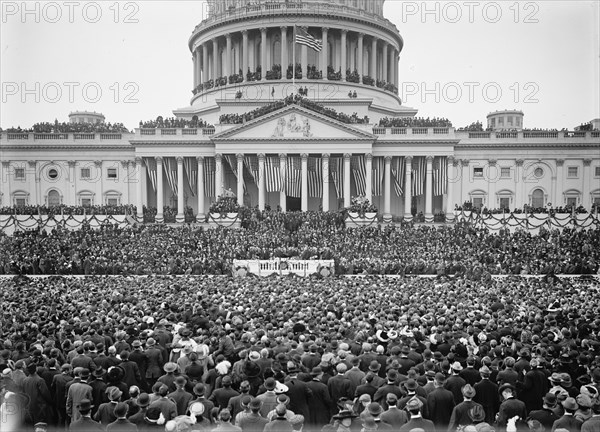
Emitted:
<point x="304" y="156"/>
<point x="263" y="29"/>
<point x="32" y="163"/>
<point x="125" y="163"/>
<point x="98" y="163"/>
<point x="138" y="160"/>
<point x="369" y="156"/>
<point x="465" y="162"/>
<point x="214" y="40"/>
<point x="130" y="163"/>
<point x="344" y="31"/>
<point x="361" y="35"/>
<point x="325" y="155"/>
<point x="492" y="162"/>
<point x="429" y="159"/>
<point x="158" y="159"/>
<point x="261" y="156"/>
<point x="245" y="32"/>
<point x="408" y="159"/>
<point x="200" y="159"/>
<point x="227" y="36"/>
<point x="283" y="28"/>
<point x="325" y="29"/>
<point x="451" y="160"/>
<point x="560" y="162"/>
<point x="282" y="156"/>
<point x="218" y="156"/>
<point x="72" y="163"/>
<point x="519" y="162"/>
<point x="239" y="156"/>
<point x="179" y="160"/>
<point x="5" y="163"/>
<point x="374" y="39"/>
<point x="347" y="156"/>
<point x="389" y="159"/>
<point x="587" y="162"/>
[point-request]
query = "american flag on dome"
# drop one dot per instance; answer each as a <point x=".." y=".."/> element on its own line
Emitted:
<point x="304" y="38"/>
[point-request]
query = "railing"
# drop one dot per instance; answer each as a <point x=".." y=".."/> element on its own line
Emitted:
<point x="398" y="131"/>
<point x="189" y="132"/>
<point x="283" y="267"/>
<point x="420" y="131"/>
<point x="110" y="136"/>
<point x="80" y="136"/>
<point x="506" y="135"/>
<point x="208" y="131"/>
<point x="379" y="130"/>
<point x="575" y="134"/>
<point x="540" y="134"/>
<point x="147" y="131"/>
<point x="17" y="136"/>
<point x="168" y="131"/>
<point x="479" y="134"/>
<point x="50" y="136"/>
<point x="440" y="131"/>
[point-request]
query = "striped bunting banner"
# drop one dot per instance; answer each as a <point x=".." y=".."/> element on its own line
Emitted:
<point x="440" y="175"/>
<point x="359" y="171"/>
<point x="209" y="176"/>
<point x="397" y="167"/>
<point x="336" y="170"/>
<point x="418" y="175"/>
<point x="191" y="172"/>
<point x="170" y="168"/>
<point x="232" y="161"/>
<point x="251" y="163"/>
<point x="315" y="177"/>
<point x="272" y="173"/>
<point x="151" y="169"/>
<point x="293" y="185"/>
<point x="378" y="174"/>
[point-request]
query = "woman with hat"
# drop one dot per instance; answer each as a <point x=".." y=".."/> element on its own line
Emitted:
<point x="342" y="422"/>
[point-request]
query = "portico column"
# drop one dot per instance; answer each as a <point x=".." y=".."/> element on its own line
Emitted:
<point x="227" y="71"/>
<point x="261" y="181"/>
<point x="219" y="186"/>
<point x="204" y="68"/>
<point x="282" y="172"/>
<point x="347" y="179"/>
<point x="369" y="177"/>
<point x="159" y="189"/>
<point x="304" y="200"/>
<point x="244" y="54"/>
<point x="407" y="188"/>
<point x="263" y="53"/>
<point x="214" y="58"/>
<point x="284" y="52"/>
<point x="384" y="69"/>
<point x="324" y="54"/>
<point x="180" y="203"/>
<point x="343" y="53"/>
<point x="429" y="189"/>
<point x="387" y="191"/>
<point x="200" y="186"/>
<point x="240" y="179"/>
<point x="449" y="189"/>
<point x="325" y="182"/>
<point x="359" y="59"/>
<point x="373" y="58"/>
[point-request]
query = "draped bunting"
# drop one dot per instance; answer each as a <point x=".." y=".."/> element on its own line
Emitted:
<point x="191" y="173"/>
<point x="418" y="175"/>
<point x="294" y="177"/>
<point x="170" y="168"/>
<point x="232" y="161"/>
<point x="398" y="169"/>
<point x="336" y="169"/>
<point x="209" y="176"/>
<point x="378" y="169"/>
<point x="251" y="163"/>
<point x="272" y="168"/>
<point x="359" y="172"/>
<point x="151" y="170"/>
<point x="440" y="175"/>
<point x="315" y="177"/>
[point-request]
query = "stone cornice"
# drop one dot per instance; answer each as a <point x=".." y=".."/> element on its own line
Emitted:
<point x="523" y="145"/>
<point x="66" y="147"/>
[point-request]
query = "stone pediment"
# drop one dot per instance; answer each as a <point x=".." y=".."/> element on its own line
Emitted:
<point x="293" y="123"/>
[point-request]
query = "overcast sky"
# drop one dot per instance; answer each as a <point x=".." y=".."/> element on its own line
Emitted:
<point x="460" y="60"/>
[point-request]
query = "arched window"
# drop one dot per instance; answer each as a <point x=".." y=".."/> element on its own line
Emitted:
<point x="53" y="198"/>
<point x="537" y="198"/>
<point x="276" y="55"/>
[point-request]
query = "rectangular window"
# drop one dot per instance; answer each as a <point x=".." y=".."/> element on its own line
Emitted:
<point x="20" y="202"/>
<point x="477" y="172"/>
<point x="85" y="173"/>
<point x="112" y="201"/>
<point x="572" y="172"/>
<point x="501" y="121"/>
<point x="111" y="173"/>
<point x="86" y="202"/>
<point x="477" y="202"/>
<point x="505" y="203"/>
<point x="509" y="121"/>
<point x="572" y="201"/>
<point x="597" y="200"/>
<point x="597" y="171"/>
<point x="19" y="173"/>
<point x="505" y="172"/>
<point x="518" y="121"/>
<point x="493" y="123"/>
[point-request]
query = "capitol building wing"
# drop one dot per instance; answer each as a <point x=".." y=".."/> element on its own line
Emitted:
<point x="303" y="133"/>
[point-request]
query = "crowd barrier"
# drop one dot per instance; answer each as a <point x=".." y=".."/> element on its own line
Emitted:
<point x="11" y="223"/>
<point x="282" y="267"/>
<point x="529" y="221"/>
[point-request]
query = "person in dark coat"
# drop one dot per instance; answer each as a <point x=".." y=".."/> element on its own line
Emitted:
<point x="298" y="392"/>
<point x="486" y="394"/>
<point x="131" y="376"/>
<point x="40" y="399"/>
<point x="121" y="424"/>
<point x="455" y="383"/>
<point x="534" y="387"/>
<point x="220" y="397"/>
<point x="460" y="413"/>
<point x="546" y="415"/>
<point x="390" y="387"/>
<point x="141" y="359"/>
<point x="416" y="419"/>
<point x="143" y="401"/>
<point x="339" y="386"/>
<point x="85" y="422"/>
<point x="156" y="362"/>
<point x="568" y="420"/>
<point x="470" y="374"/>
<point x="181" y="398"/>
<point x="320" y="405"/>
<point x="511" y="407"/>
<point x="440" y="403"/>
<point x="59" y="392"/>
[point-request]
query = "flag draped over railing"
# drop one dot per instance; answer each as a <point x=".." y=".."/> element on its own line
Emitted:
<point x="151" y="169"/>
<point x="336" y="170"/>
<point x="359" y="171"/>
<point x="191" y="172"/>
<point x="378" y="169"/>
<point x="170" y="168"/>
<point x="293" y="184"/>
<point x="440" y="175"/>
<point x="209" y="176"/>
<point x="418" y="175"/>
<point x="315" y="177"/>
<point x="398" y="170"/>
<point x="272" y="166"/>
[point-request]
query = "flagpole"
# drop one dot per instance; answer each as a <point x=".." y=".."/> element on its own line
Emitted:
<point x="294" y="60"/>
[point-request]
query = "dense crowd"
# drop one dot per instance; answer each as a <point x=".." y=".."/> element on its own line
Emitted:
<point x="460" y="250"/>
<point x="566" y="209"/>
<point x="173" y="122"/>
<point x="191" y="353"/>
<point x="64" y="127"/>
<point x="402" y="122"/>
<point x="62" y="209"/>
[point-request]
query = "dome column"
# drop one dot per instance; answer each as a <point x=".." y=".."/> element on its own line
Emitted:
<point x="344" y="50"/>
<point x="324" y="54"/>
<point x="284" y="52"/>
<point x="373" y="58"/>
<point x="244" y="54"/>
<point x="263" y="53"/>
<point x="384" y="69"/>
<point x="359" y="59"/>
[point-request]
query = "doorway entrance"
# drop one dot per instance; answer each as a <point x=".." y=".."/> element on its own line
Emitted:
<point x="293" y="204"/>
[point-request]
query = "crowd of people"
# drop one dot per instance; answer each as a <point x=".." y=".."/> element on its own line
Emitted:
<point x="173" y="122"/>
<point x="196" y="353"/>
<point x="460" y="249"/>
<point x="402" y="122"/>
<point x="68" y="127"/>
<point x="566" y="209"/>
<point x="35" y="210"/>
